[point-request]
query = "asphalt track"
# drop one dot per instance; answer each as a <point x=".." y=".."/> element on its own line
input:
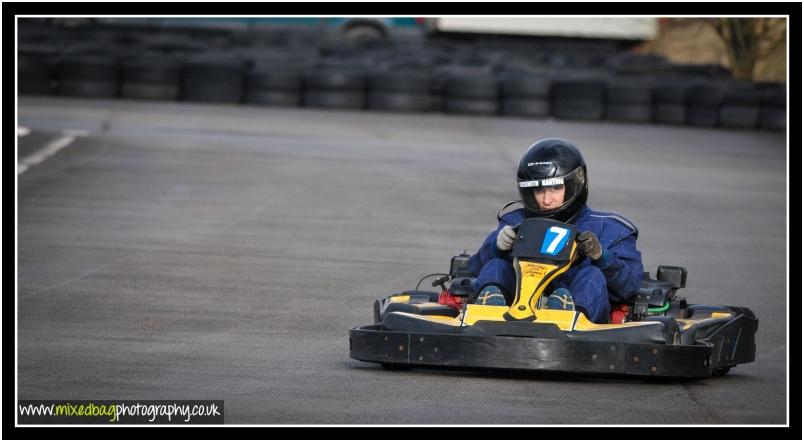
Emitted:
<point x="187" y="251"/>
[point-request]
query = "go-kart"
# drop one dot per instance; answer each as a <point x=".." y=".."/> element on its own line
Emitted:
<point x="656" y="334"/>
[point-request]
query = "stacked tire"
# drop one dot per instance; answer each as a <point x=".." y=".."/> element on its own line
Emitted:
<point x="274" y="86"/>
<point x="88" y="76"/>
<point x="773" y="109"/>
<point x="740" y="108"/>
<point x="213" y="80"/>
<point x="668" y="101"/>
<point x="703" y="101"/>
<point x="150" y="78"/>
<point x="35" y="75"/>
<point x="471" y="92"/>
<point x="335" y="88"/>
<point x="629" y="101"/>
<point x="525" y="95"/>
<point x="633" y="64"/>
<point x="401" y="91"/>
<point x="580" y="98"/>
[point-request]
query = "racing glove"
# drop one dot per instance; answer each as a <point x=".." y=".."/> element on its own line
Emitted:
<point x="505" y="239"/>
<point x="588" y="244"/>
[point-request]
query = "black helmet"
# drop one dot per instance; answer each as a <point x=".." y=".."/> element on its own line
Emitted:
<point x="553" y="162"/>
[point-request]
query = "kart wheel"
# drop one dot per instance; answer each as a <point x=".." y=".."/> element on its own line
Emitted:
<point x="722" y="371"/>
<point x="394" y="366"/>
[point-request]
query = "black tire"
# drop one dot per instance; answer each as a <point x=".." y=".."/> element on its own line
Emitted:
<point x="633" y="63"/>
<point x="335" y="80"/>
<point x="704" y="116"/>
<point x="522" y="87"/>
<point x="87" y="69"/>
<point x="722" y="371"/>
<point x="88" y="88"/>
<point x="474" y="87"/>
<point x="334" y="99"/>
<point x="589" y="110"/>
<point x="578" y="90"/>
<point x="414" y="83"/>
<point x="773" y="96"/>
<point x="396" y="101"/>
<point x="287" y="98"/>
<point x="708" y="95"/>
<point x="670" y="92"/>
<point x="455" y="105"/>
<point x="438" y="103"/>
<point x="742" y="97"/>
<point x="669" y="113"/>
<point x="162" y="71"/>
<point x="743" y="117"/>
<point x="149" y="91"/>
<point x="525" y="107"/>
<point x="629" y="93"/>
<point x="715" y="71"/>
<point x="35" y="84"/>
<point x="273" y="79"/>
<point x="632" y="113"/>
<point x="773" y="119"/>
<point x="35" y="76"/>
<point x="204" y="90"/>
<point x="213" y="80"/>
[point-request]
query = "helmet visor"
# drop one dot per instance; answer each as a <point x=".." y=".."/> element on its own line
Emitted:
<point x="532" y="191"/>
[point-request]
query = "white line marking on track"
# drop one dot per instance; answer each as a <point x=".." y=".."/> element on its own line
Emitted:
<point x="22" y="131"/>
<point x="50" y="149"/>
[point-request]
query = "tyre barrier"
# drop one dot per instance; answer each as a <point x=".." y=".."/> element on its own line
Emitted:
<point x="150" y="78"/>
<point x="772" y="110"/>
<point x="578" y="99"/>
<point x="524" y="95"/>
<point x="740" y="108"/>
<point x="273" y="86"/>
<point x="87" y="76"/>
<point x="335" y="88"/>
<point x="668" y="101"/>
<point x="212" y="80"/>
<point x="403" y="91"/>
<point x="703" y="101"/>
<point x="35" y="74"/>
<point x="629" y="101"/>
<point x="437" y="76"/>
<point x="471" y="93"/>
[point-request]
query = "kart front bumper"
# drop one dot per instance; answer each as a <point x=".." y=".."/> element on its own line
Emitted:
<point x="729" y="345"/>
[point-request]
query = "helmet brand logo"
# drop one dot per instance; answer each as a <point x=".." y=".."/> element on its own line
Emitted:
<point x="553" y="182"/>
<point x="548" y="163"/>
<point x="545" y="182"/>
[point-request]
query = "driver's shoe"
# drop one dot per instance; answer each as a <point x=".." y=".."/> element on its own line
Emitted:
<point x="560" y="299"/>
<point x="491" y="295"/>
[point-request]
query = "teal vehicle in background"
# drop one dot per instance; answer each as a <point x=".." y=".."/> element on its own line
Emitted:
<point x="355" y="30"/>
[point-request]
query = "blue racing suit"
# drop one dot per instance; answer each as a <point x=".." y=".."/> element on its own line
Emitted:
<point x="594" y="285"/>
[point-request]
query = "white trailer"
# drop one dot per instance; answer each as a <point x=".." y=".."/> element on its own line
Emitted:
<point x="617" y="28"/>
